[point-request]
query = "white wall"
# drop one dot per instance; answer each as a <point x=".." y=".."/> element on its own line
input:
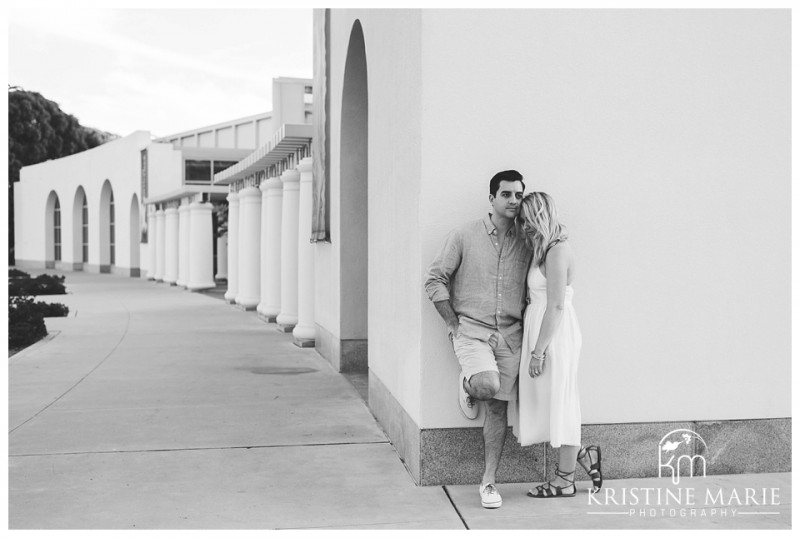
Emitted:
<point x="118" y="161"/>
<point x="664" y="137"/>
<point x="394" y="171"/>
<point x="164" y="169"/>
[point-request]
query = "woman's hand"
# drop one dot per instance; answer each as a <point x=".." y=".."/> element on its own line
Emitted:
<point x="536" y="367"/>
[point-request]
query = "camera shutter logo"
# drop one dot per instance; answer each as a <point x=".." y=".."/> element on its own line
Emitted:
<point x="676" y="447"/>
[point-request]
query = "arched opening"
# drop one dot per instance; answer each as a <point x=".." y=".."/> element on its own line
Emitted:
<point x="134" y="235"/>
<point x="80" y="229"/>
<point x="354" y="200"/>
<point x="107" y="253"/>
<point x="52" y="227"/>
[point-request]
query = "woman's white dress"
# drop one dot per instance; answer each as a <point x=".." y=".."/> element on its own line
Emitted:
<point x="548" y="407"/>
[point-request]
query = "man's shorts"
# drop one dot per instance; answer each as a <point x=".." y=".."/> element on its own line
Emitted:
<point x="493" y="355"/>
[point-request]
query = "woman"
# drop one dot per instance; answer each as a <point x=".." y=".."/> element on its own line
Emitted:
<point x="548" y="403"/>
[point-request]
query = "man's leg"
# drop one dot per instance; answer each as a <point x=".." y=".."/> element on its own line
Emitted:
<point x="484" y="386"/>
<point x="494" y="437"/>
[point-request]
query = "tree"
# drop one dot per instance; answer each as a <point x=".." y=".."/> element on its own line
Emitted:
<point x="38" y="130"/>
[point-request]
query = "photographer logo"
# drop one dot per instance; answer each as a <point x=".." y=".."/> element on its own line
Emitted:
<point x="677" y="455"/>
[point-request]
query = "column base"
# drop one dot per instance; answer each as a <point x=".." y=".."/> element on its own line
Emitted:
<point x="269" y="318"/>
<point x="282" y="328"/>
<point x="200" y="287"/>
<point x="246" y="307"/>
<point x="304" y="342"/>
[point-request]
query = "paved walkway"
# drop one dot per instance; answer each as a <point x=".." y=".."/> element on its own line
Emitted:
<point x="152" y="407"/>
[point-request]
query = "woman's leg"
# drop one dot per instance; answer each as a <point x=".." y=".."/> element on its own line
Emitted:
<point x="567" y="459"/>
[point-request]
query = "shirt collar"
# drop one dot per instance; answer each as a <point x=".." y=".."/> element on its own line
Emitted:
<point x="491" y="229"/>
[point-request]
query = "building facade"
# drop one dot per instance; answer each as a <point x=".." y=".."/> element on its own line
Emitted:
<point x="663" y="135"/>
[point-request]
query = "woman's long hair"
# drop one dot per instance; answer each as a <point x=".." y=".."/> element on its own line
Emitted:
<point x="540" y="224"/>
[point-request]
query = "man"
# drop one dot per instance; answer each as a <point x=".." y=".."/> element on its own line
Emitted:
<point x="477" y="283"/>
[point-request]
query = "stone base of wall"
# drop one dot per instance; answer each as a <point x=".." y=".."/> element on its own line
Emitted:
<point x="442" y="456"/>
<point x="344" y="355"/>
<point x="78" y="266"/>
<point x="29" y="264"/>
<point x="49" y="264"/>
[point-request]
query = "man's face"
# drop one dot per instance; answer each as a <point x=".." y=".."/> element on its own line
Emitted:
<point x="506" y="202"/>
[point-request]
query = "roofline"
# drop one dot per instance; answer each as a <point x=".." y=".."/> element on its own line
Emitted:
<point x="204" y="128"/>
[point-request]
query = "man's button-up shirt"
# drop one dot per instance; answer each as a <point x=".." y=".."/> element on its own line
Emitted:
<point x="484" y="278"/>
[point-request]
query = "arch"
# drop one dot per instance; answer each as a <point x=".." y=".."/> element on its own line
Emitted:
<point x="52" y="230"/>
<point x="106" y="222"/>
<point x="134" y="235"/>
<point x="353" y="191"/>
<point x="80" y="229"/>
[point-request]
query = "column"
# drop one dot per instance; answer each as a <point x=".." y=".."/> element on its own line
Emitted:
<point x="287" y="318"/>
<point x="183" y="244"/>
<point x="305" y="332"/>
<point x="249" y="292"/>
<point x="239" y="250"/>
<point x="233" y="246"/>
<point x="222" y="257"/>
<point x="272" y="209"/>
<point x="160" y="235"/>
<point x="171" y="245"/>
<point x="151" y="244"/>
<point x="201" y="246"/>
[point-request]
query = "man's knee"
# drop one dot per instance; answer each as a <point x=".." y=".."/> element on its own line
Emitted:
<point x="484" y="385"/>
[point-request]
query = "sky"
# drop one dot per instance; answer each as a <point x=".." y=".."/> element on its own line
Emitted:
<point x="159" y="70"/>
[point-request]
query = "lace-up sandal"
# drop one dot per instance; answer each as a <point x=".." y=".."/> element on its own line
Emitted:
<point x="593" y="468"/>
<point x="548" y="490"/>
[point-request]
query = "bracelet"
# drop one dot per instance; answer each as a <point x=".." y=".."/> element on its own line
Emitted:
<point x="537" y="357"/>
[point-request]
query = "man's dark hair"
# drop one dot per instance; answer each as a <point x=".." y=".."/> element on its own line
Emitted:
<point x="505" y="175"/>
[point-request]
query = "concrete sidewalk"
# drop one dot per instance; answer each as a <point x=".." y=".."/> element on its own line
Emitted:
<point x="152" y="407"/>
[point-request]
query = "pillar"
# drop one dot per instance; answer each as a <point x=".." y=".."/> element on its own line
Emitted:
<point x="183" y="244"/>
<point x="287" y="318"/>
<point x="249" y="292"/>
<point x="201" y="246"/>
<point x="160" y="235"/>
<point x="233" y="246"/>
<point x="171" y="245"/>
<point x="151" y="244"/>
<point x="272" y="209"/>
<point x="222" y="257"/>
<point x="306" y="331"/>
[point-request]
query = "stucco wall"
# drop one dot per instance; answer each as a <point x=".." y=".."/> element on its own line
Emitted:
<point x="664" y="136"/>
<point x="117" y="162"/>
<point x="392" y="44"/>
<point x="165" y="169"/>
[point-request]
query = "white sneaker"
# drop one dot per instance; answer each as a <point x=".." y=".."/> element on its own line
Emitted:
<point x="490" y="497"/>
<point x="467" y="403"/>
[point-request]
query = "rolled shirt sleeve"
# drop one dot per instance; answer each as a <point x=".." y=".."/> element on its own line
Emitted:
<point x="443" y="267"/>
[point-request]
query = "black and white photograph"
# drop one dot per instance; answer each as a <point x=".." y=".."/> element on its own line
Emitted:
<point x="407" y="268"/>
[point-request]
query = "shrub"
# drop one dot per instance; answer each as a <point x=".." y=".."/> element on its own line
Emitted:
<point x="25" y="323"/>
<point x="16" y="273"/>
<point x="52" y="310"/>
<point x="26" y="320"/>
<point x="40" y="285"/>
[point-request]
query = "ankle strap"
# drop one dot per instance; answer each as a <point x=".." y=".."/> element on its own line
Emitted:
<point x="562" y="474"/>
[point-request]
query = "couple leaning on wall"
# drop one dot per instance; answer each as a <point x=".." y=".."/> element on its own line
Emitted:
<point x="503" y="286"/>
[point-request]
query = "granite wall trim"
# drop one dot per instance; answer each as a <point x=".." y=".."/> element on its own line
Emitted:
<point x="354" y="355"/>
<point x="399" y="427"/>
<point x="344" y="355"/>
<point x="455" y="455"/>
